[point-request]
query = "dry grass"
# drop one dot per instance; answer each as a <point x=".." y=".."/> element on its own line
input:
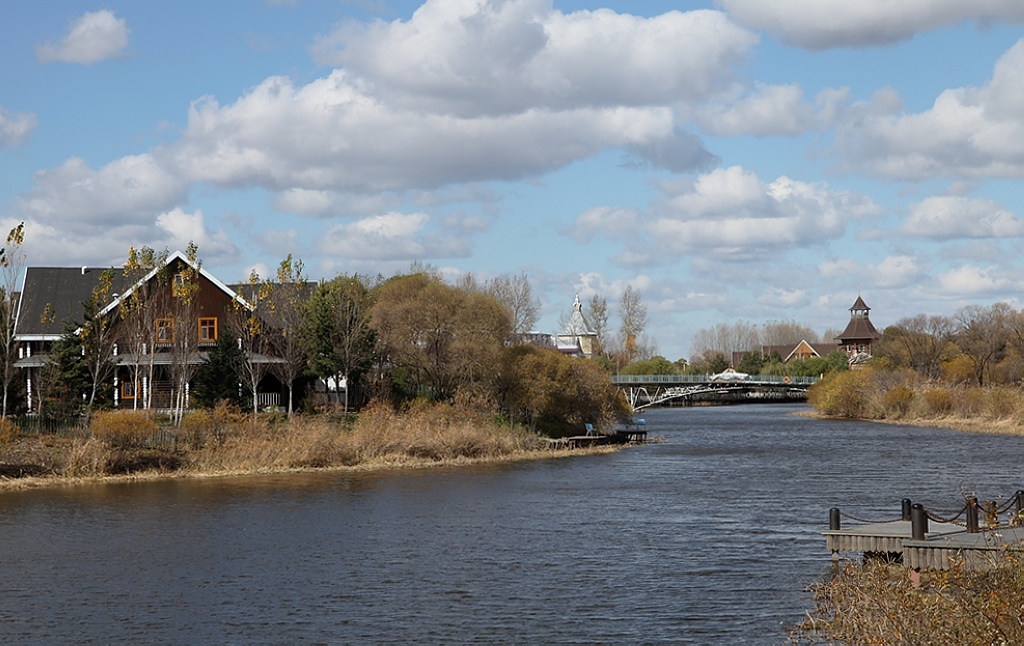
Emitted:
<point x="901" y="398"/>
<point x="876" y="603"/>
<point x="222" y="442"/>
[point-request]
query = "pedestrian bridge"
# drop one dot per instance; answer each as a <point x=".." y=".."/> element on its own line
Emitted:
<point x="644" y="391"/>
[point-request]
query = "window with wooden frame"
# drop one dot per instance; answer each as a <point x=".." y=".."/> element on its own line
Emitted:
<point x="128" y="389"/>
<point x="207" y="329"/>
<point x="165" y="331"/>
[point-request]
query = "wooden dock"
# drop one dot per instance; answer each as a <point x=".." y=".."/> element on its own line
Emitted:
<point x="935" y="545"/>
<point x="977" y="551"/>
<point x="882" y="538"/>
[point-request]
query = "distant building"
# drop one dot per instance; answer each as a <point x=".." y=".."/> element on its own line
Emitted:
<point x="790" y="351"/>
<point x="860" y="335"/>
<point x="578" y="338"/>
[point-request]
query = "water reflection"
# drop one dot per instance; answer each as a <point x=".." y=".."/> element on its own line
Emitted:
<point x="710" y="536"/>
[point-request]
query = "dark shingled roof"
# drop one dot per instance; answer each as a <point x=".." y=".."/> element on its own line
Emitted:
<point x="860" y="327"/>
<point x="55" y="295"/>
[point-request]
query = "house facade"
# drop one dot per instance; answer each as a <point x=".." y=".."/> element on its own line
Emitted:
<point x="159" y="326"/>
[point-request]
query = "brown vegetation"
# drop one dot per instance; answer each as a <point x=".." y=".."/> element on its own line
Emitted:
<point x="876" y="603"/>
<point x="903" y="396"/>
<point x="226" y="441"/>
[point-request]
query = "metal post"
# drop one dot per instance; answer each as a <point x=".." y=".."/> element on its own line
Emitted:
<point x="906" y="509"/>
<point x="972" y="515"/>
<point x="834" y="522"/>
<point x="918" y="522"/>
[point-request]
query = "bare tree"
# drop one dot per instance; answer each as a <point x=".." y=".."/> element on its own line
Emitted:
<point x="633" y="315"/>
<point x="983" y="334"/>
<point x="184" y="341"/>
<point x="288" y="303"/>
<point x="722" y="339"/>
<point x="248" y="328"/>
<point x="139" y="310"/>
<point x="98" y="336"/>
<point x="12" y="261"/>
<point x="515" y="293"/>
<point x="786" y="332"/>
<point x="597" y="308"/>
<point x="918" y="342"/>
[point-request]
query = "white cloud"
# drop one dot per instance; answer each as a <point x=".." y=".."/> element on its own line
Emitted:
<point x="94" y="37"/>
<point x="732" y="212"/>
<point x="15" y="129"/>
<point x="388" y="237"/>
<point x="331" y="135"/>
<point x="181" y="228"/>
<point x="486" y="57"/>
<point x="124" y="190"/>
<point x="822" y="24"/>
<point x="967" y="133"/>
<point x="784" y="298"/>
<point x="728" y="213"/>
<point x="897" y="271"/>
<point x="770" y="110"/>
<point x="974" y="281"/>
<point x="607" y="221"/>
<point x="950" y="217"/>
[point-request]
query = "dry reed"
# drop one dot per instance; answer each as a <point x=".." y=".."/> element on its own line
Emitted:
<point x="876" y="603"/>
<point x="224" y="441"/>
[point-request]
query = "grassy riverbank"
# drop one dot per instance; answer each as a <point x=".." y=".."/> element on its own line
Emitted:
<point x="130" y="446"/>
<point x="901" y="397"/>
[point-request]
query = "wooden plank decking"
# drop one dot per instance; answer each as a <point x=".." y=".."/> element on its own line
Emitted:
<point x="943" y="544"/>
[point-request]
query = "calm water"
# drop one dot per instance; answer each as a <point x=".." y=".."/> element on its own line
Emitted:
<point x="709" y="537"/>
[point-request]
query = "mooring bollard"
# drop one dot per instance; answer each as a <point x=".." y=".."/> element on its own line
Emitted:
<point x="972" y="515"/>
<point x="834" y="521"/>
<point x="906" y="509"/>
<point x="918" y="522"/>
<point x="1019" y="496"/>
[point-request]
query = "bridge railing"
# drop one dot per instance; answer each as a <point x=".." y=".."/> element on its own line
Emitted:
<point x="627" y="380"/>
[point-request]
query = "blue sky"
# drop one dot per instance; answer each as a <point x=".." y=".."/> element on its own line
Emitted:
<point x="734" y="160"/>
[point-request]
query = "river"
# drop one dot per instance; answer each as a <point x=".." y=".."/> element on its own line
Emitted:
<point x="711" y="536"/>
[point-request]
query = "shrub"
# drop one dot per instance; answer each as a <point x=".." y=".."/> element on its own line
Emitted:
<point x="1003" y="402"/>
<point x="971" y="402"/>
<point x="123" y="428"/>
<point x="898" y="399"/>
<point x="9" y="431"/>
<point x="938" y="401"/>
<point x="843" y="394"/>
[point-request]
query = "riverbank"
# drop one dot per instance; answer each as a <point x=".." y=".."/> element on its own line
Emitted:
<point x="127" y="446"/>
<point x="21" y="483"/>
<point x="1004" y="426"/>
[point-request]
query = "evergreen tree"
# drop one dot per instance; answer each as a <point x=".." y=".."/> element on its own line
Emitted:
<point x="217" y="378"/>
<point x="64" y="381"/>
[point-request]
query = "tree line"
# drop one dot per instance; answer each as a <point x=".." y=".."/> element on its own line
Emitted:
<point x="398" y="339"/>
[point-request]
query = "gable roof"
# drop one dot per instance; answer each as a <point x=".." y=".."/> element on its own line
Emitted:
<point x="52" y="296"/>
<point x="578" y="325"/>
<point x="176" y="256"/>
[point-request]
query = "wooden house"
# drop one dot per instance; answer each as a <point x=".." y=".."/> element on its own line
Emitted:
<point x="154" y="327"/>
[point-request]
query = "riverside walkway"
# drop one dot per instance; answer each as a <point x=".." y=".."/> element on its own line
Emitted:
<point x="644" y="391"/>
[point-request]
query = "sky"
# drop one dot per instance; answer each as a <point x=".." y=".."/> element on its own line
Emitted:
<point x="733" y="160"/>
